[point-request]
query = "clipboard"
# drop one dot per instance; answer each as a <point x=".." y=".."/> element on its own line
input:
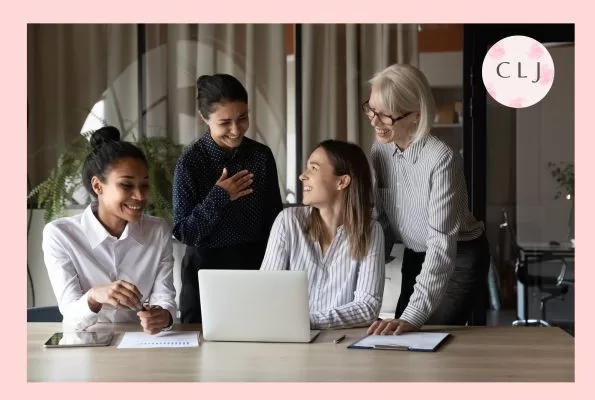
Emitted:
<point x="411" y="341"/>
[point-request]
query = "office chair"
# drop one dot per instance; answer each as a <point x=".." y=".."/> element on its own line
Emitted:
<point x="551" y="287"/>
<point x="44" y="314"/>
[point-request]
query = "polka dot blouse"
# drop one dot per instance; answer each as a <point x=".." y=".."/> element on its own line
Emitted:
<point x="204" y="215"/>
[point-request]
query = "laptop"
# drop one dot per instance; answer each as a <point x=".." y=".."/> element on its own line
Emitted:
<point x="255" y="306"/>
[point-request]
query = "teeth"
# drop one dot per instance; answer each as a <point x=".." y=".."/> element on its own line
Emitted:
<point x="136" y="208"/>
<point x="307" y="188"/>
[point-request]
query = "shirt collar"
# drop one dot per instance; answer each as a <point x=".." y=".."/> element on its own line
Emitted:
<point x="96" y="232"/>
<point x="217" y="153"/>
<point x="412" y="152"/>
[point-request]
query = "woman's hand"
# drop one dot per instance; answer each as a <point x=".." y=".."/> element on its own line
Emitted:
<point x="120" y="294"/>
<point x="238" y="185"/>
<point x="392" y="326"/>
<point x="154" y="318"/>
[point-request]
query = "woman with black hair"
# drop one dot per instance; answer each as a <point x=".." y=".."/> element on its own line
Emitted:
<point x="108" y="261"/>
<point x="226" y="192"/>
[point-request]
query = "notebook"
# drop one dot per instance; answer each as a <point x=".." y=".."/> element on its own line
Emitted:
<point x="412" y="341"/>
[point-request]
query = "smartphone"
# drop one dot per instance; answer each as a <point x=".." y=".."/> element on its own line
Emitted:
<point x="79" y="339"/>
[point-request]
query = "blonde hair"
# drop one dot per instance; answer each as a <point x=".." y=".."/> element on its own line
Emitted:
<point x="349" y="159"/>
<point x="404" y="88"/>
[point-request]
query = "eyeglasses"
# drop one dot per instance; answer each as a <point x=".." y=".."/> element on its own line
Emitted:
<point x="384" y="119"/>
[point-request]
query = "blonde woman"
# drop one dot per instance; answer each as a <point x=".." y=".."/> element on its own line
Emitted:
<point x="422" y="200"/>
<point x="333" y="238"/>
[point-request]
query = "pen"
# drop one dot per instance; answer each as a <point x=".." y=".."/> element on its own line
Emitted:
<point x="144" y="306"/>
<point x="339" y="339"/>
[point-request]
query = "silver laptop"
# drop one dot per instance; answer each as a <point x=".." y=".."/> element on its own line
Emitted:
<point x="255" y="306"/>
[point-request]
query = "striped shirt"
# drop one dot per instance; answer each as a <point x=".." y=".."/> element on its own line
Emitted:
<point x="342" y="291"/>
<point x="422" y="200"/>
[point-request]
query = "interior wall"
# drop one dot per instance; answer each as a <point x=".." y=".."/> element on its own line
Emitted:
<point x="545" y="132"/>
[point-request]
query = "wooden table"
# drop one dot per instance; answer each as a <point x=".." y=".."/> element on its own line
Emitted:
<point x="472" y="354"/>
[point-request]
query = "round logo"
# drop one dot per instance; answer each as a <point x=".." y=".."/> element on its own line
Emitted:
<point x="518" y="71"/>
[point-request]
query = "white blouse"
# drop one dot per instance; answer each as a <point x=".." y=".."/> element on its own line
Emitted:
<point x="79" y="254"/>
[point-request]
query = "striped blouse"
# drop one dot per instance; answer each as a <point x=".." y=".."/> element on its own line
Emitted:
<point x="342" y="291"/>
<point x="422" y="200"/>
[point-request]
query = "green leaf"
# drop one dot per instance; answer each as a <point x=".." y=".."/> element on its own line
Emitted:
<point x="53" y="194"/>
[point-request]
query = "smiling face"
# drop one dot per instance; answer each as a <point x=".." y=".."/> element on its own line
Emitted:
<point x="228" y="123"/>
<point x="386" y="131"/>
<point x="321" y="187"/>
<point x="123" y="193"/>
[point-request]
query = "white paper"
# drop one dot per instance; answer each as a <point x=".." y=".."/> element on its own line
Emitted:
<point x="412" y="340"/>
<point x="142" y="340"/>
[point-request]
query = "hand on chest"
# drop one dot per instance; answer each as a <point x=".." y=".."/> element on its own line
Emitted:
<point x="235" y="166"/>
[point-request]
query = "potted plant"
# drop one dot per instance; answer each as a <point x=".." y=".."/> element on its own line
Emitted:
<point x="563" y="173"/>
<point x="63" y="185"/>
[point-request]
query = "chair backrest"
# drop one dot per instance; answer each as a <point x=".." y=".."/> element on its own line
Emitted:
<point x="44" y="314"/>
<point x="521" y="272"/>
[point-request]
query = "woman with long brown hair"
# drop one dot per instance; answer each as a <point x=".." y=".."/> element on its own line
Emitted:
<point x="333" y="238"/>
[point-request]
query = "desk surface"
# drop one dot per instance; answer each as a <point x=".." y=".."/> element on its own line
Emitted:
<point x="547" y="248"/>
<point x="472" y="354"/>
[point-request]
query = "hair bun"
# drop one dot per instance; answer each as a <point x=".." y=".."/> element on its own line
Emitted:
<point x="203" y="79"/>
<point x="106" y="134"/>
